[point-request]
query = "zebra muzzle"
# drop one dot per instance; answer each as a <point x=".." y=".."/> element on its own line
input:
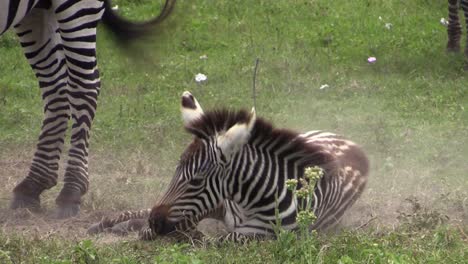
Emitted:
<point x="158" y="220"/>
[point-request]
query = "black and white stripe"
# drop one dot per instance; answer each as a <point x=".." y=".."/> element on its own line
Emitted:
<point x="454" y="26"/>
<point x="59" y="42"/>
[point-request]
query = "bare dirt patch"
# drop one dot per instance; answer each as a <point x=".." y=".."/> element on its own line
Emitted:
<point x="44" y="225"/>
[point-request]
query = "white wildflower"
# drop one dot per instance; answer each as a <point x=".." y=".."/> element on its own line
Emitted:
<point x="291" y="184"/>
<point x="444" y="22"/>
<point x="324" y="86"/>
<point x="380" y="18"/>
<point x="116" y="7"/>
<point x="313" y="173"/>
<point x="371" y="59"/>
<point x="203" y="57"/>
<point x="388" y="25"/>
<point x="200" y="77"/>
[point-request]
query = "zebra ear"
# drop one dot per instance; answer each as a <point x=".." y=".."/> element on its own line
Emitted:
<point x="236" y="137"/>
<point x="190" y="108"/>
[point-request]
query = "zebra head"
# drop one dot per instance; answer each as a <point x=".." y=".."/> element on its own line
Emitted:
<point x="197" y="188"/>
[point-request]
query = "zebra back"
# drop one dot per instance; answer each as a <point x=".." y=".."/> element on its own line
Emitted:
<point x="338" y="189"/>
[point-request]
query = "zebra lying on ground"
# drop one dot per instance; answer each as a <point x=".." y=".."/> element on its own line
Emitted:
<point x="59" y="41"/>
<point x="235" y="170"/>
<point x="454" y="27"/>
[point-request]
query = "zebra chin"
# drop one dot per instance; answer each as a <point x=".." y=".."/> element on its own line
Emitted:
<point x="158" y="220"/>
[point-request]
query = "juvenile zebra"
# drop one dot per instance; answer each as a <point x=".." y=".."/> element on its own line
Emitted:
<point x="59" y="42"/>
<point x="454" y="27"/>
<point x="235" y="170"/>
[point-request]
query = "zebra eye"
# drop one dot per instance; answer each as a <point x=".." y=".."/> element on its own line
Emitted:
<point x="197" y="181"/>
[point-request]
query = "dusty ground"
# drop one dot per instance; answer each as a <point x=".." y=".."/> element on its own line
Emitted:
<point x="376" y="209"/>
<point x="45" y="224"/>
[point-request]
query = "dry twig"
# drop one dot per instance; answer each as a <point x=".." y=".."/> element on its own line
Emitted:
<point x="366" y="223"/>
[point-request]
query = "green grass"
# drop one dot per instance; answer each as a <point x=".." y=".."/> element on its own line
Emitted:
<point x="442" y="245"/>
<point x="408" y="110"/>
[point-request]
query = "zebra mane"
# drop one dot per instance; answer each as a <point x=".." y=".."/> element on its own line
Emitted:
<point x="217" y="121"/>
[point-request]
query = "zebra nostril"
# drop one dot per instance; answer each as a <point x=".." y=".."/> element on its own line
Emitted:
<point x="154" y="226"/>
<point x="158" y="219"/>
<point x="157" y="226"/>
<point x="160" y="226"/>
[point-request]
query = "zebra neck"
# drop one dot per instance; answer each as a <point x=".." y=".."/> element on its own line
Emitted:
<point x="258" y="173"/>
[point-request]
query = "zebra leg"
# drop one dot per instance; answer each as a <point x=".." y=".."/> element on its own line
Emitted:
<point x="42" y="47"/>
<point x="122" y="224"/>
<point x="231" y="214"/>
<point x="234" y="218"/>
<point x="79" y="44"/>
<point x="237" y="237"/>
<point x="454" y="28"/>
<point x="464" y="5"/>
<point x="132" y="225"/>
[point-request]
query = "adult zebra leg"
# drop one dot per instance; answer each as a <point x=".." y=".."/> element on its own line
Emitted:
<point x="454" y="28"/>
<point x="464" y="5"/>
<point x="79" y="44"/>
<point x="43" y="49"/>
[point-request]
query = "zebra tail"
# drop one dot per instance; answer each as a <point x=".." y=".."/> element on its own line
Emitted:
<point x="126" y="30"/>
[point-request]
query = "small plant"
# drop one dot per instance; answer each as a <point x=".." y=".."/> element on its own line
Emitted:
<point x="5" y="257"/>
<point x="85" y="253"/>
<point x="287" y="247"/>
<point x="177" y="253"/>
<point x="304" y="195"/>
<point x="49" y="260"/>
<point x="421" y="217"/>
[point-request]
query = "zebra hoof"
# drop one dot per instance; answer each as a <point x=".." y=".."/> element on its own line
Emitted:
<point x="120" y="229"/>
<point x="95" y="229"/>
<point x="132" y="225"/>
<point x="20" y="200"/>
<point x="67" y="211"/>
<point x="146" y="234"/>
<point x="453" y="47"/>
<point x="465" y="67"/>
